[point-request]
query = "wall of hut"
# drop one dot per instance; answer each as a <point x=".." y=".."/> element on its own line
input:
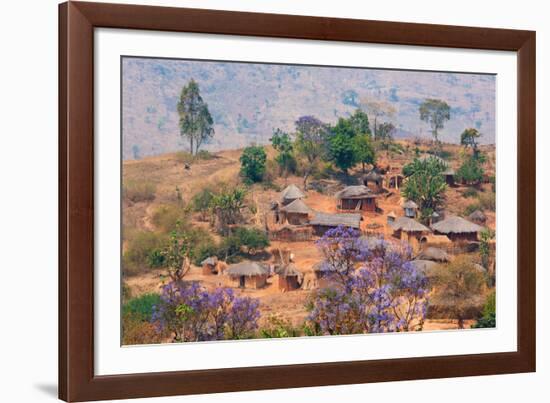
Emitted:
<point x="292" y="234"/>
<point x="288" y="283"/>
<point x="253" y="282"/>
<point x="367" y="204"/>
<point x="297" y="218"/>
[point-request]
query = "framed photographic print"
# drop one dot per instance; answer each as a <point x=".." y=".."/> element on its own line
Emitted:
<point x="257" y="201"/>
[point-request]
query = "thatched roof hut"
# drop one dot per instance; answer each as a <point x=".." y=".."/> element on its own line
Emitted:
<point x="407" y="224"/>
<point x="478" y="217"/>
<point x="248" y="274"/>
<point x="374" y="178"/>
<point x="409" y="204"/>
<point x="457" y="229"/>
<point x="357" y="197"/>
<point x="209" y="265"/>
<point x="290" y="278"/>
<point x="410" y="208"/>
<point x="296" y="207"/>
<point x="291" y="193"/>
<point x="434" y="255"/>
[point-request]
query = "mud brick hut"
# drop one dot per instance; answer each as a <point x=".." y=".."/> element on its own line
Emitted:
<point x="409" y="230"/>
<point x="457" y="229"/>
<point x="210" y="266"/>
<point x="395" y="181"/>
<point x="248" y="274"/>
<point x="290" y="278"/>
<point x="449" y="175"/>
<point x="357" y="198"/>
<point x="322" y="222"/>
<point x="374" y="181"/>
<point x="291" y="193"/>
<point x="296" y="213"/>
<point x="410" y="208"/>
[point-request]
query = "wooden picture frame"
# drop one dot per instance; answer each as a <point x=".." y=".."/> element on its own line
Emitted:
<point x="77" y="21"/>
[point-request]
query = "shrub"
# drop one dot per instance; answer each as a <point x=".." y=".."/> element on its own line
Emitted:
<point x="167" y="216"/>
<point x="470" y="208"/>
<point x="204" y="155"/>
<point x="278" y="327"/>
<point x="138" y="191"/>
<point x="140" y="247"/>
<point x="470" y="192"/>
<point x="136" y="331"/>
<point x="487" y="201"/>
<point x="488" y="317"/>
<point x="141" y="307"/>
<point x="253" y="160"/>
<point x="184" y="157"/>
<point x="202" y="201"/>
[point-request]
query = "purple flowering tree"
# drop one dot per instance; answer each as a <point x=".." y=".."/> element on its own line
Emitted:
<point x="374" y="287"/>
<point x="192" y="313"/>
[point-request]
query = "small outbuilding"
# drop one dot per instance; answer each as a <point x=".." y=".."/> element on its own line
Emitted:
<point x="395" y="181"/>
<point x="374" y="181"/>
<point x="391" y="217"/>
<point x="291" y="193"/>
<point x="356" y="198"/>
<point x="478" y="217"/>
<point x="210" y="266"/>
<point x="248" y="274"/>
<point x="409" y="230"/>
<point x="449" y="175"/>
<point x="410" y="208"/>
<point x="457" y="229"/>
<point x="297" y="212"/>
<point x="322" y="222"/>
<point x="290" y="278"/>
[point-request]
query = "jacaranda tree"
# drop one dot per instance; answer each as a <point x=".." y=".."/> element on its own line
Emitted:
<point x="192" y="313"/>
<point x="374" y="287"/>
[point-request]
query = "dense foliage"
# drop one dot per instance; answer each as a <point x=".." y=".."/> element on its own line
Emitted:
<point x="375" y="288"/>
<point x="253" y="161"/>
<point x="285" y="159"/>
<point x="192" y="313"/>
<point x="488" y="318"/>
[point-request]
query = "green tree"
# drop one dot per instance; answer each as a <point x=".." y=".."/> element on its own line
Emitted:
<point x="471" y="170"/>
<point x="359" y="122"/>
<point x="227" y="207"/>
<point x="282" y="143"/>
<point x="459" y="288"/>
<point x="435" y="112"/>
<point x="195" y="120"/>
<point x="201" y="202"/>
<point x="253" y="161"/>
<point x="311" y="136"/>
<point x="485" y="237"/>
<point x="341" y="145"/>
<point x="364" y="150"/>
<point x="385" y="136"/>
<point x="469" y="138"/>
<point x="488" y="318"/>
<point x="425" y="184"/>
<point x="177" y="253"/>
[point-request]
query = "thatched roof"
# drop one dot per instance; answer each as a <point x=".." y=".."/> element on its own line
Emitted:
<point x="455" y="225"/>
<point x="297" y="207"/>
<point x="372" y="176"/>
<point x="246" y="268"/>
<point x="392" y="214"/>
<point x="434" y="254"/>
<point x="407" y="224"/>
<point x="409" y="204"/>
<point x="355" y="192"/>
<point x="477" y="216"/>
<point x="334" y="220"/>
<point x="449" y="171"/>
<point x="291" y="192"/>
<point x="427" y="267"/>
<point x="437" y="239"/>
<point x="211" y="261"/>
<point x="290" y="270"/>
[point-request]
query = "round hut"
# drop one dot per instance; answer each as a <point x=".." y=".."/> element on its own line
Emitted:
<point x="457" y="229"/>
<point x="409" y="230"/>
<point x="210" y="266"/>
<point x="248" y="274"/>
<point x="410" y="208"/>
<point x="291" y="193"/>
<point x="297" y="212"/>
<point x="290" y="278"/>
<point x="374" y="181"/>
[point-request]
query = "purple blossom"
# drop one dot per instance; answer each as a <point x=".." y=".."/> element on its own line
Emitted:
<point x="192" y="313"/>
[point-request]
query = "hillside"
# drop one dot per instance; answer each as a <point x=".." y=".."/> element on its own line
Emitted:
<point x="247" y="101"/>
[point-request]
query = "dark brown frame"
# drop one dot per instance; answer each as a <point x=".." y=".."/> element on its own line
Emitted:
<point x="77" y="21"/>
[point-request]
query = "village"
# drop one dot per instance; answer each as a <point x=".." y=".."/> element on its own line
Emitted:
<point x="283" y="275"/>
